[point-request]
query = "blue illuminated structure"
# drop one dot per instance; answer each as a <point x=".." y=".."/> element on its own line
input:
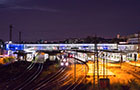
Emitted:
<point x="17" y="47"/>
<point x="14" y="47"/>
<point x="85" y="47"/>
<point x="62" y="47"/>
<point x="105" y="47"/>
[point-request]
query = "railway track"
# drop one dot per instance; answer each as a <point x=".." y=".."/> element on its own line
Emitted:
<point x="45" y="81"/>
<point x="30" y="71"/>
<point x="135" y="71"/>
<point x="26" y="70"/>
<point x="59" y="80"/>
<point x="13" y="79"/>
<point x="74" y="85"/>
<point x="30" y="79"/>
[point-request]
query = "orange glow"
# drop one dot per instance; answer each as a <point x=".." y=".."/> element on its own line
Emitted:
<point x="42" y="53"/>
<point x="1" y="61"/>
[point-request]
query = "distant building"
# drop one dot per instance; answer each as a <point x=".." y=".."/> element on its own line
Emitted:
<point x="72" y="40"/>
<point x="134" y="39"/>
<point x="131" y="39"/>
<point x="118" y="36"/>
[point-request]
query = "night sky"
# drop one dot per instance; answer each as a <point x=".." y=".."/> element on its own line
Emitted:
<point x="60" y="19"/>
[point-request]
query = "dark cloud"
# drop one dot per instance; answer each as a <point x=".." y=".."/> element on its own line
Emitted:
<point x="34" y="8"/>
<point x="17" y="4"/>
<point x="3" y="6"/>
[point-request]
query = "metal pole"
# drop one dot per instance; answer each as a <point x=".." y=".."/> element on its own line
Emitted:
<point x="138" y="45"/>
<point x="98" y="71"/>
<point x="97" y="67"/>
<point x="10" y="34"/>
<point x="106" y="66"/>
<point x="135" y="65"/>
<point x="85" y="73"/>
<point x="138" y="48"/>
<point x="121" y="61"/>
<point x="102" y="63"/>
<point x="96" y="51"/>
<point x="74" y="70"/>
<point x="19" y="37"/>
<point x="94" y="72"/>
<point x="103" y="66"/>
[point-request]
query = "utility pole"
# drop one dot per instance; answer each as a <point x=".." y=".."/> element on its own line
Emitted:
<point x="94" y="70"/>
<point x="97" y="65"/>
<point x="74" y="70"/>
<point x="104" y="66"/>
<point x="10" y="40"/>
<point x="121" y="59"/>
<point x="96" y="54"/>
<point x="10" y="34"/>
<point x="19" y="37"/>
<point x="138" y="46"/>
